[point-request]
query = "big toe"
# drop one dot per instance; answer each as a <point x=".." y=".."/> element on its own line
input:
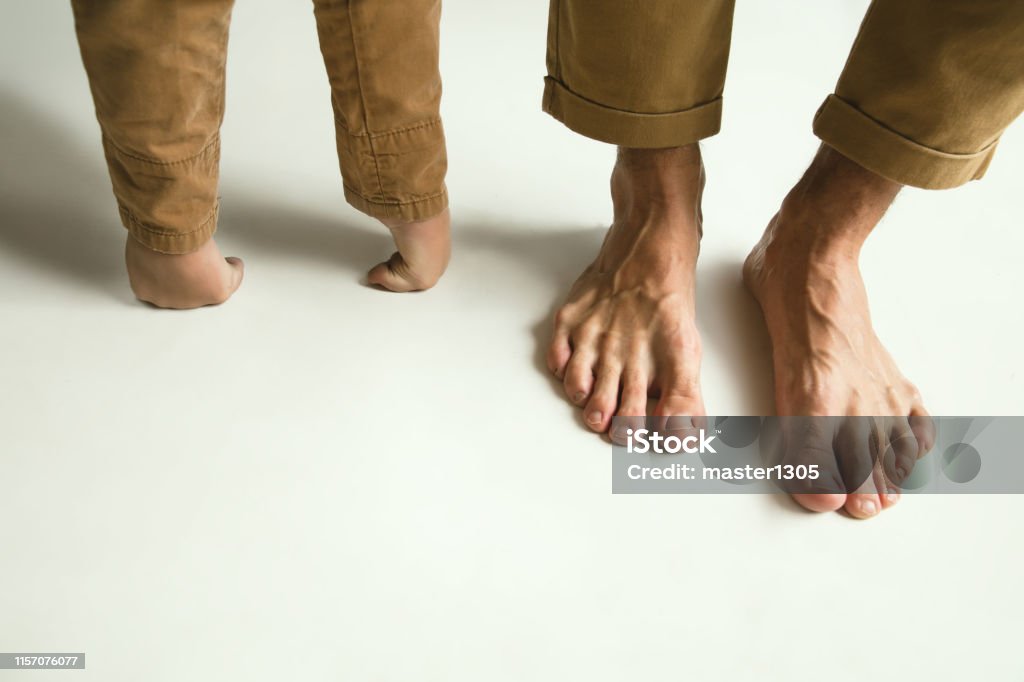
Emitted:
<point x="236" y="274"/>
<point x="863" y="505"/>
<point x="395" y="274"/>
<point x="820" y="502"/>
<point x="675" y="405"/>
<point x="873" y="495"/>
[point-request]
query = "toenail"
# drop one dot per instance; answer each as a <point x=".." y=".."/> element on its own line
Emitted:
<point x="892" y="495"/>
<point x="580" y="395"/>
<point x="869" y="507"/>
<point x="594" y="417"/>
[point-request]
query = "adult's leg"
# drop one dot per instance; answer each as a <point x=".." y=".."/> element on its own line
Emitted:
<point x="648" y="77"/>
<point x="156" y="71"/>
<point x="929" y="87"/>
<point x="382" y="62"/>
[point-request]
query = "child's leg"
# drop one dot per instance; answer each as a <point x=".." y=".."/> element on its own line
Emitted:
<point x="382" y="61"/>
<point x="156" y="71"/>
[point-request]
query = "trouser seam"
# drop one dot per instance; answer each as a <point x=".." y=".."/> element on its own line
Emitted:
<point x="558" y="39"/>
<point x="394" y="202"/>
<point x="157" y="162"/>
<point x="130" y="217"/>
<point x="362" y="95"/>
<point x="431" y="123"/>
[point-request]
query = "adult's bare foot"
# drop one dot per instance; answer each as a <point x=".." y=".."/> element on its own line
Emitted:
<point x="827" y="359"/>
<point x="628" y="329"/>
<point x="424" y="249"/>
<point x="191" y="280"/>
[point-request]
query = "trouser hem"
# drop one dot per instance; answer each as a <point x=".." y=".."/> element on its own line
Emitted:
<point x="629" y="128"/>
<point x="405" y="211"/>
<point x="395" y="174"/>
<point x="169" y="241"/>
<point x="891" y="154"/>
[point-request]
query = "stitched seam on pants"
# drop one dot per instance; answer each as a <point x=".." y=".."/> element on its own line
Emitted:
<point x="163" y="232"/>
<point x="395" y="131"/>
<point x="156" y="162"/>
<point x="394" y="202"/>
<point x="389" y="155"/>
<point x="362" y="93"/>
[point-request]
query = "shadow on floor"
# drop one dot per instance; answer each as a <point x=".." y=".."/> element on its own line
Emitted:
<point x="732" y="327"/>
<point x="56" y="210"/>
<point x="305" y="237"/>
<point x="556" y="255"/>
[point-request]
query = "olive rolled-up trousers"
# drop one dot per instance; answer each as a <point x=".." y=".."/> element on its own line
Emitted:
<point x="928" y="88"/>
<point x="156" y="72"/>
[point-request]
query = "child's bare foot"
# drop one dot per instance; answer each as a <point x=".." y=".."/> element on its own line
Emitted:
<point x="424" y="248"/>
<point x="827" y="358"/>
<point x="628" y="329"/>
<point x="191" y="280"/>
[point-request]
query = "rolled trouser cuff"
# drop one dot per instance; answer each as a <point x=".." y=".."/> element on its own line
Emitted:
<point x="165" y="240"/>
<point x="167" y="204"/>
<point x="405" y="211"/>
<point x="889" y="153"/>
<point x="629" y="128"/>
<point x="395" y="174"/>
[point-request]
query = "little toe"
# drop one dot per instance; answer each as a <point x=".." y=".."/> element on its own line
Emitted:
<point x="559" y="352"/>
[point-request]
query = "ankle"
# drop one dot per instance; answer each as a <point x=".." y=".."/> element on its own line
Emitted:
<point x="835" y="205"/>
<point x="835" y="176"/>
<point x="660" y="189"/>
<point x="829" y="213"/>
<point x="671" y="177"/>
<point x="800" y="234"/>
<point x="796" y="252"/>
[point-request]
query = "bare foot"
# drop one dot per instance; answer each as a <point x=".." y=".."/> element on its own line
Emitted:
<point x="628" y="329"/>
<point x="827" y="359"/>
<point x="424" y="248"/>
<point x="192" y="280"/>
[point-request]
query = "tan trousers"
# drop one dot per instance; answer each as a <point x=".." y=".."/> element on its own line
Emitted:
<point x="929" y="86"/>
<point x="156" y="71"/>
